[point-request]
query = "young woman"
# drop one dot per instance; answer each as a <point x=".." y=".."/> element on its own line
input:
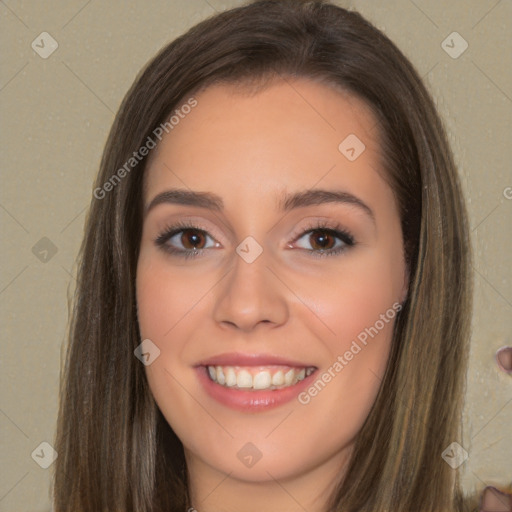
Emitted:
<point x="272" y="310"/>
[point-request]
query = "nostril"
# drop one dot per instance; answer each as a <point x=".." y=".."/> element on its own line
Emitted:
<point x="504" y="359"/>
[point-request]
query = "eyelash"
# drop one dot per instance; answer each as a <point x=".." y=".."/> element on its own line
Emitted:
<point x="336" y="230"/>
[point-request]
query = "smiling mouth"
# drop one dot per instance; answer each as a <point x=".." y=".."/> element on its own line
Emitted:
<point x="257" y="378"/>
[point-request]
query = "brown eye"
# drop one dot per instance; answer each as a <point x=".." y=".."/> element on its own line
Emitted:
<point x="321" y="241"/>
<point x="323" y="238"/>
<point x="186" y="241"/>
<point x="191" y="238"/>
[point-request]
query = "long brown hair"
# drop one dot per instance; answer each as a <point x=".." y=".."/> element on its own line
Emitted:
<point x="116" y="450"/>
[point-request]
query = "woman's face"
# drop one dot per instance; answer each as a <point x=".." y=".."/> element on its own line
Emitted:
<point x="286" y="280"/>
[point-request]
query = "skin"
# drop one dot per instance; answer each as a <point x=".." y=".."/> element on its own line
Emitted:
<point x="249" y="149"/>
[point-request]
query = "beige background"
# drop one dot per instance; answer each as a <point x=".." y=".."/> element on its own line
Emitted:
<point x="56" y="113"/>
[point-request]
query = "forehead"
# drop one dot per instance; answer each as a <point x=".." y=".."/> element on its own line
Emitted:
<point x="287" y="135"/>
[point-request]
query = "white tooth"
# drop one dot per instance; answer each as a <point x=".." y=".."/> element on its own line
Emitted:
<point x="211" y="371"/>
<point x="289" y="377"/>
<point x="230" y="377"/>
<point x="278" y="378"/>
<point x="262" y="380"/>
<point x="244" y="379"/>
<point x="220" y="376"/>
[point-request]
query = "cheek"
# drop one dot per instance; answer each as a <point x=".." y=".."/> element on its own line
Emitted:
<point x="166" y="296"/>
<point x="355" y="299"/>
<point x="357" y="306"/>
<point x="165" y="300"/>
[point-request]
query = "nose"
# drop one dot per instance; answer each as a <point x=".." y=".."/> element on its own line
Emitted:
<point x="250" y="295"/>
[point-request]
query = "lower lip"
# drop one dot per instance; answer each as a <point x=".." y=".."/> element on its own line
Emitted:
<point x="253" y="401"/>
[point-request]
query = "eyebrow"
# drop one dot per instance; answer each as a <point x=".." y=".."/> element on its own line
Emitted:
<point x="286" y="203"/>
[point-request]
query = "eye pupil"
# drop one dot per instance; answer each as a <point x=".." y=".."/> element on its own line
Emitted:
<point x="192" y="239"/>
<point x="323" y="238"/>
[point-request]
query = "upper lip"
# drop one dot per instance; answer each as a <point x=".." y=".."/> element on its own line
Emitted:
<point x="241" y="359"/>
